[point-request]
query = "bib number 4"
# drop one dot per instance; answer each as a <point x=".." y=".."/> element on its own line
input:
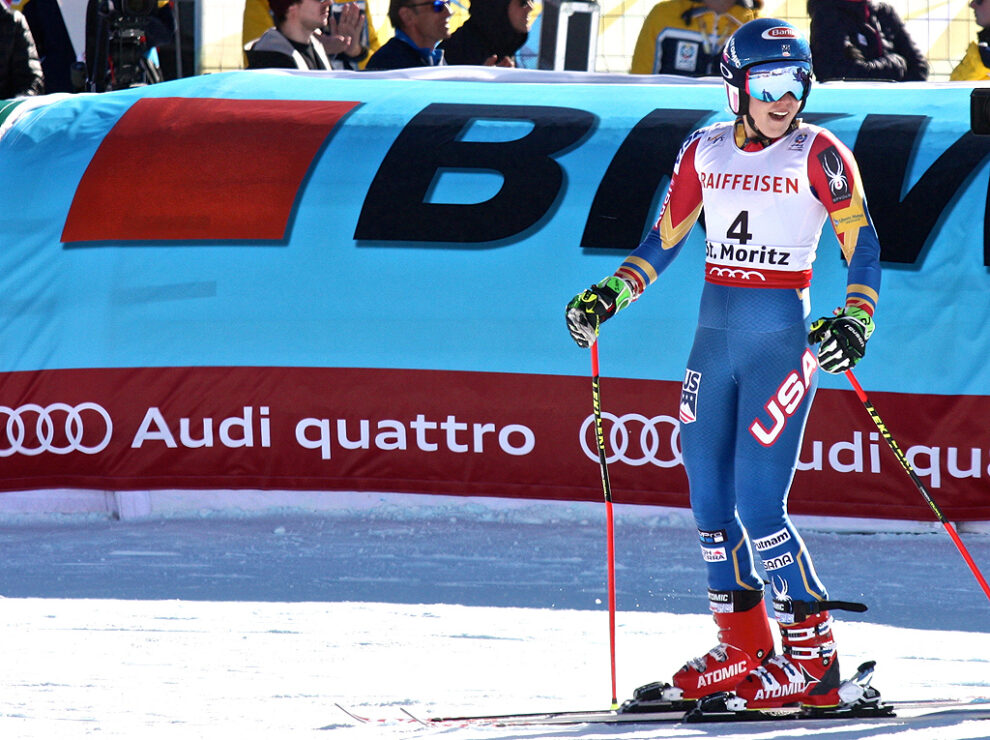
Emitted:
<point x="739" y="229"/>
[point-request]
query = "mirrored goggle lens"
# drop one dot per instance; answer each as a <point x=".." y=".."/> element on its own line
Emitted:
<point x="770" y="82"/>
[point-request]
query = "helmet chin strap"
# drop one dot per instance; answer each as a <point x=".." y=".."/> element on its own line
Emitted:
<point x="761" y="138"/>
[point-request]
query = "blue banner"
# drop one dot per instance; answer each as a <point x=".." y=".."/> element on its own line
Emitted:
<point x="475" y="278"/>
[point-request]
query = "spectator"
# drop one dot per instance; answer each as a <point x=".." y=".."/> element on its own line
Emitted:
<point x="862" y="40"/>
<point x="258" y="19"/>
<point x="976" y="64"/>
<point x="685" y="37"/>
<point x="20" y="68"/>
<point x="419" y="27"/>
<point x="53" y="40"/>
<point x="292" y="43"/>
<point x="494" y="32"/>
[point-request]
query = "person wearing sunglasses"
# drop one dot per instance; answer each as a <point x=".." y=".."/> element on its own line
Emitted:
<point x="767" y="182"/>
<point x="419" y="26"/>
<point x="492" y="34"/>
<point x="863" y="40"/>
<point x="976" y="64"/>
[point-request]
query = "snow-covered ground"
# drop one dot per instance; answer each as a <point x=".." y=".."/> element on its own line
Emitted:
<point x="256" y="625"/>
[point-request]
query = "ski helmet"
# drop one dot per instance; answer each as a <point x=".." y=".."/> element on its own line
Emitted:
<point x="784" y="58"/>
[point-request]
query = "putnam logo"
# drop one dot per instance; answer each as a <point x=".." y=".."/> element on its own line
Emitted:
<point x="777" y="538"/>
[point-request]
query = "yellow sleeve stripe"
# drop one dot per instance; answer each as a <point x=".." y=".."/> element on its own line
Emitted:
<point x="863" y="290"/>
<point x="671" y="235"/>
<point x="645" y="267"/>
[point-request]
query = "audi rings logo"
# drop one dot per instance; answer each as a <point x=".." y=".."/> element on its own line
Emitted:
<point x="59" y="428"/>
<point x="635" y="439"/>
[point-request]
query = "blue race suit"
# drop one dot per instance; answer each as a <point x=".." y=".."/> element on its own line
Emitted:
<point x="751" y="374"/>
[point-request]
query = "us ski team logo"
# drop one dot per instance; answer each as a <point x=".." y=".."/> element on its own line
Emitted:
<point x="689" y="397"/>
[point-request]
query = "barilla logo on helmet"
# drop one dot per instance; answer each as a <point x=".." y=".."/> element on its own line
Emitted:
<point x="780" y="32"/>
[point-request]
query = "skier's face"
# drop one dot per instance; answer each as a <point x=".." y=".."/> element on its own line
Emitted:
<point x="773" y="118"/>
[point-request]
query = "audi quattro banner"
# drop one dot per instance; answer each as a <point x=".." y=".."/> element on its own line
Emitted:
<point x="330" y="282"/>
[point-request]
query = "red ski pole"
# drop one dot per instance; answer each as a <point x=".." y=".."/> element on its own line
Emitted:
<point x="902" y="459"/>
<point x="609" y="523"/>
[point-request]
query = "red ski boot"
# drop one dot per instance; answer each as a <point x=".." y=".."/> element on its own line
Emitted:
<point x="807" y="673"/>
<point x="745" y="641"/>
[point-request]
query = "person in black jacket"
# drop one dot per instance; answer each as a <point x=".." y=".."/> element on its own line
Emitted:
<point x="419" y="26"/>
<point x="20" y="69"/>
<point x="494" y="32"/>
<point x="862" y="40"/>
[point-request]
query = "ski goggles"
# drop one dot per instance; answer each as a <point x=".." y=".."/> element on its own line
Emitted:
<point x="772" y="81"/>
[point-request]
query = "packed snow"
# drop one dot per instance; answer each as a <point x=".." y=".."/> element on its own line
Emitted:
<point x="258" y="624"/>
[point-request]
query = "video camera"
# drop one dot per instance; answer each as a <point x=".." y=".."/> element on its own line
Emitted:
<point x="121" y="36"/>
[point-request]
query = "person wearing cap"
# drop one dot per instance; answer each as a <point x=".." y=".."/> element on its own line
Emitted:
<point x="976" y="64"/>
<point x="768" y="182"/>
<point x="685" y="37"/>
<point x="419" y="26"/>
<point x="292" y="43"/>
<point x="862" y="40"/>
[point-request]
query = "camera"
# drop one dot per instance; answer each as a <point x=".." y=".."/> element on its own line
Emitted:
<point x="121" y="36"/>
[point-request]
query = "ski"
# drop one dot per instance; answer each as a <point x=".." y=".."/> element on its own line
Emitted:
<point x="656" y="704"/>
<point x="892" y="711"/>
<point x="972" y="709"/>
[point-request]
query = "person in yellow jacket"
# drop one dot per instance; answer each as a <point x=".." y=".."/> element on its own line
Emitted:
<point x="685" y="37"/>
<point x="976" y="64"/>
<point x="258" y="19"/>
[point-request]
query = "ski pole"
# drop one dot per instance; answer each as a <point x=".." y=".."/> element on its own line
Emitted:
<point x="902" y="459"/>
<point x="609" y="522"/>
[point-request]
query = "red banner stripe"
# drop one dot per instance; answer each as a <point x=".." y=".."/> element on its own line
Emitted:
<point x="471" y="433"/>
<point x="200" y="168"/>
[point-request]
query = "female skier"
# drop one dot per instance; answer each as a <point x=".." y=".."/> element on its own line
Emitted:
<point x="767" y="182"/>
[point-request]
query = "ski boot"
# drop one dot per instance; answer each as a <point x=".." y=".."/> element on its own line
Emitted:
<point x="807" y="671"/>
<point x="857" y="699"/>
<point x="745" y="641"/>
